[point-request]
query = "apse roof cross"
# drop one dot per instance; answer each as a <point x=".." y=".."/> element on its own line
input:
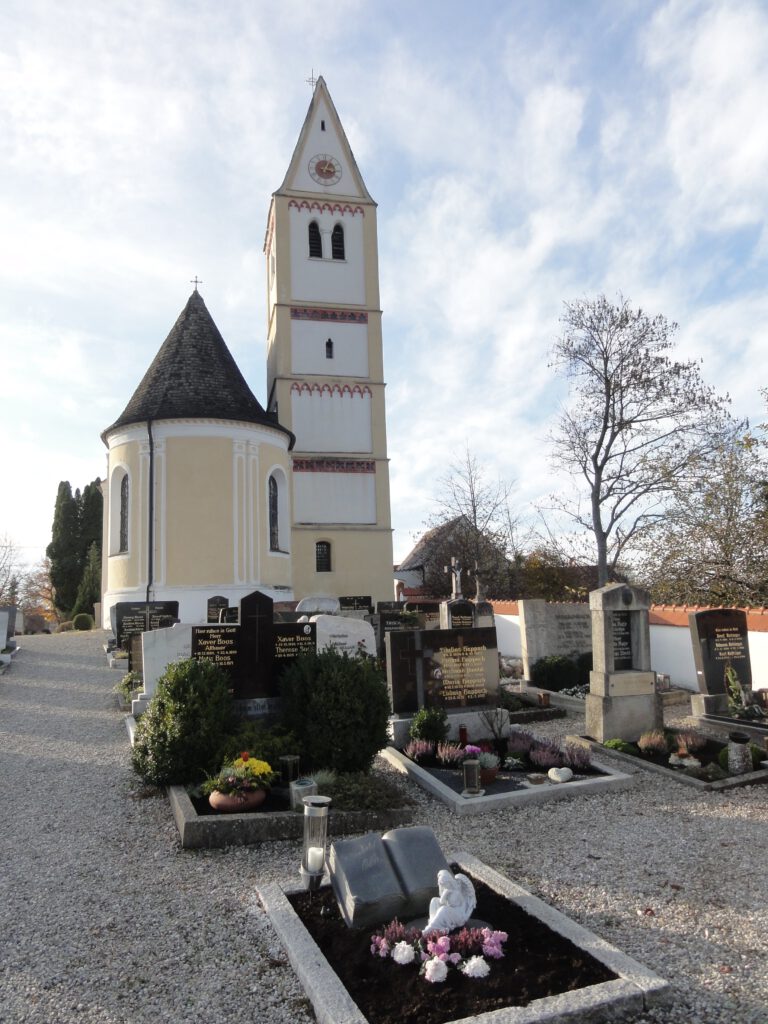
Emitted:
<point x="311" y="81"/>
<point x="195" y="281"/>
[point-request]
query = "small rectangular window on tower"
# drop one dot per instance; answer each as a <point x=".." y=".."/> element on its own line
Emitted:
<point x="322" y="126"/>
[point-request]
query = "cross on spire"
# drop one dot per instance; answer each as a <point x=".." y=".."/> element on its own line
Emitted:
<point x="311" y="81"/>
<point x="195" y="281"/>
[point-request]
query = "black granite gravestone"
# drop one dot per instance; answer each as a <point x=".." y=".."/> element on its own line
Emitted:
<point x="132" y="617"/>
<point x="441" y="668"/>
<point x="292" y="639"/>
<point x="457" y="614"/>
<point x="720" y="642"/>
<point x="622" y="641"/>
<point x="216" y="605"/>
<point x="355" y="603"/>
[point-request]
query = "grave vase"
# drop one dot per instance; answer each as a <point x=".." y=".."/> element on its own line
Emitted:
<point x="237" y="803"/>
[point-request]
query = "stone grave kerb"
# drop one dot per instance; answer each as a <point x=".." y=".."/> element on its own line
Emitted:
<point x="622" y="702"/>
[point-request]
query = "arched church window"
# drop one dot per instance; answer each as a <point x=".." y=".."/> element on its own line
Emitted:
<point x="124" y="508"/>
<point x="315" y="242"/>
<point x="323" y="556"/>
<point x="274" y="521"/>
<point x="329" y="349"/>
<point x="337" y="242"/>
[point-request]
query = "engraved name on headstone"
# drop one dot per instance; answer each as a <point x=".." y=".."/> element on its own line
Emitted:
<point x="720" y="640"/>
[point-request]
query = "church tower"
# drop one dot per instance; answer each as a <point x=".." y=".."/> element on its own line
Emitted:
<point x="325" y="374"/>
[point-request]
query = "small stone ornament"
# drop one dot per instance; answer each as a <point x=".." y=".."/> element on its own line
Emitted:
<point x="560" y="774"/>
<point x="453" y="906"/>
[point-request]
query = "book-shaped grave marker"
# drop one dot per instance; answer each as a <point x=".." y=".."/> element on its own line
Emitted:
<point x="377" y="878"/>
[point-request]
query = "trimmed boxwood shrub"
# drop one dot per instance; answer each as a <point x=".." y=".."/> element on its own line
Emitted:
<point x="82" y="621"/>
<point x="555" y="672"/>
<point x="338" y="708"/>
<point x="179" y="737"/>
<point x="430" y="724"/>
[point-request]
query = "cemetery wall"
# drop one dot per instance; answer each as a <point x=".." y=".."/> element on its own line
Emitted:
<point x="671" y="649"/>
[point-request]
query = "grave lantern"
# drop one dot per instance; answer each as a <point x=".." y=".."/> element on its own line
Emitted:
<point x="315" y="836"/>
<point x="471" y="770"/>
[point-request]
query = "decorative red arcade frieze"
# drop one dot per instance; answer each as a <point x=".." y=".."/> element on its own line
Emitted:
<point x="326" y="207"/>
<point x="336" y="316"/>
<point x="334" y="466"/>
<point x="330" y="389"/>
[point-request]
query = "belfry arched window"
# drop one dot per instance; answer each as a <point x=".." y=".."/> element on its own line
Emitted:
<point x="124" y="510"/>
<point x="323" y="556"/>
<point x="315" y="241"/>
<point x="274" y="520"/>
<point x="337" y="242"/>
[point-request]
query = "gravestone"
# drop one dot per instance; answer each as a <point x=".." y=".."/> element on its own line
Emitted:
<point x="215" y="606"/>
<point x="344" y="634"/>
<point x="457" y="613"/>
<point x="316" y="605"/>
<point x="428" y="613"/>
<point x="292" y="639"/>
<point x="132" y="617"/>
<point x="384" y="622"/>
<point x="376" y="878"/>
<point x="360" y="603"/>
<point x="442" y="668"/>
<point x="159" y="648"/>
<point x="720" y="641"/>
<point x="622" y="702"/>
<point x="7" y="632"/>
<point x="550" y="629"/>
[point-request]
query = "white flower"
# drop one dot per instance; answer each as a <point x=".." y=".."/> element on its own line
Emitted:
<point x="403" y="953"/>
<point x="435" y="970"/>
<point x="475" y="967"/>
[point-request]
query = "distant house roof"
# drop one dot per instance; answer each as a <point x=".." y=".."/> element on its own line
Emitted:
<point x="194" y="376"/>
<point x="427" y="548"/>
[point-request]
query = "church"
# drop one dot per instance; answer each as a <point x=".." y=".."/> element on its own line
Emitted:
<point x="208" y="493"/>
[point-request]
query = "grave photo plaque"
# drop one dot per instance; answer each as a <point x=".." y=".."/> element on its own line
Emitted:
<point x="720" y="641"/>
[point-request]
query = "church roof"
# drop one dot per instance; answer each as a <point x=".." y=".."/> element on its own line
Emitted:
<point x="194" y="376"/>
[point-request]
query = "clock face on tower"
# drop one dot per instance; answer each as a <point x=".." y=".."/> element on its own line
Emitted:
<point x="325" y="169"/>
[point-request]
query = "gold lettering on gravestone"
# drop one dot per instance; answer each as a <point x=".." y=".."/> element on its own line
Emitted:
<point x="463" y="673"/>
<point x="293" y="645"/>
<point x="727" y="643"/>
<point x="218" y="646"/>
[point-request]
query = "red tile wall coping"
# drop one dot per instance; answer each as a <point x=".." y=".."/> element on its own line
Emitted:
<point x="663" y="614"/>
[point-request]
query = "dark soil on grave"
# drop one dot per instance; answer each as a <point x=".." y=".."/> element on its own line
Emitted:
<point x="276" y="800"/>
<point x="537" y="963"/>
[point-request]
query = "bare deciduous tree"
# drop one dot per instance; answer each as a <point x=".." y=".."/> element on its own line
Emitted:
<point x="637" y="421"/>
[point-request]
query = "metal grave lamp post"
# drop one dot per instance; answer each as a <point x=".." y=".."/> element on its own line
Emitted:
<point x="315" y="837"/>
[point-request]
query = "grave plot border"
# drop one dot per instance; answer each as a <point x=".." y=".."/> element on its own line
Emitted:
<point x="213" y="831"/>
<point x="736" y="782"/>
<point x="636" y="989"/>
<point x="611" y="780"/>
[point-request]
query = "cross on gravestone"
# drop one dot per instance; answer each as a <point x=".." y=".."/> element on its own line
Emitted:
<point x="455" y="570"/>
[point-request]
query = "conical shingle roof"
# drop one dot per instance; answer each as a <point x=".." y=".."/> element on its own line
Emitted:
<point x="194" y="376"/>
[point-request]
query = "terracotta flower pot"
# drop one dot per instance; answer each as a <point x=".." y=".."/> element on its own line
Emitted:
<point x="488" y="775"/>
<point x="237" y="803"/>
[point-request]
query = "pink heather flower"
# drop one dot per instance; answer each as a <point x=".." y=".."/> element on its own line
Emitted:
<point x="454" y="958"/>
<point x="403" y="953"/>
<point x="475" y="967"/>
<point x="435" y="970"/>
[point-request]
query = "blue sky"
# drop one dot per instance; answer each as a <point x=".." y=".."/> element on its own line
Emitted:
<point x="522" y="154"/>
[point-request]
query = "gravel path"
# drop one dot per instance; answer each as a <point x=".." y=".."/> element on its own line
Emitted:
<point x="103" y="918"/>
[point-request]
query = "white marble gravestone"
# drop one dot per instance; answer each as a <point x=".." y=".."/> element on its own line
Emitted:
<point x="159" y="648"/>
<point x="350" y="635"/>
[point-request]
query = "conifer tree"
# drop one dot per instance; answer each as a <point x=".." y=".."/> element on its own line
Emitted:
<point x="89" y="591"/>
<point x="64" y="549"/>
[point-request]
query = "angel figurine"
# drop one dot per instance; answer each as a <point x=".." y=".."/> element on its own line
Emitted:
<point x="453" y="906"/>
